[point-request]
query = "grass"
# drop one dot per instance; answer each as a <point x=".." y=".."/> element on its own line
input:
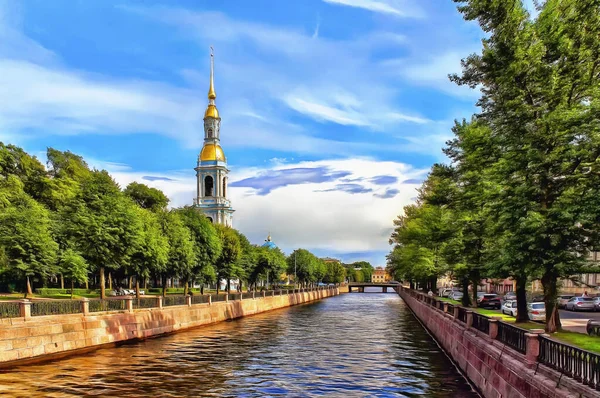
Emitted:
<point x="580" y="340"/>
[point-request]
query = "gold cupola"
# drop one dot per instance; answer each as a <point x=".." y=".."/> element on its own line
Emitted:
<point x="212" y="152"/>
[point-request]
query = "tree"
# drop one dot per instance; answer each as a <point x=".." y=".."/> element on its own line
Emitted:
<point x="15" y="161"/>
<point x="303" y="264"/>
<point x="182" y="253"/>
<point x="146" y="197"/>
<point x="540" y="95"/>
<point x="269" y="261"/>
<point x="151" y="250"/>
<point x="73" y="266"/>
<point x="227" y="264"/>
<point x="365" y="268"/>
<point x="25" y="236"/>
<point x="336" y="273"/>
<point x="207" y="244"/>
<point x="101" y="224"/>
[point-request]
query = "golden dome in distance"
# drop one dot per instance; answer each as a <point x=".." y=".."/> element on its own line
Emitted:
<point x="211" y="152"/>
<point x="211" y="111"/>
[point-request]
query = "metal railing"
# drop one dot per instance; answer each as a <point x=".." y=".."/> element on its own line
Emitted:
<point x="218" y="297"/>
<point x="235" y="296"/>
<point x="10" y="310"/>
<point x="462" y="314"/>
<point x="100" y="305"/>
<point x="481" y="323"/>
<point x="174" y="300"/>
<point x="512" y="336"/>
<point x="450" y="308"/>
<point x="55" y="307"/>
<point x="145" y="302"/>
<point x="583" y="366"/>
<point x="200" y="299"/>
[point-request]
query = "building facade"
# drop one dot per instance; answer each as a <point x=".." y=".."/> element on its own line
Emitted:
<point x="211" y="170"/>
<point x="380" y="275"/>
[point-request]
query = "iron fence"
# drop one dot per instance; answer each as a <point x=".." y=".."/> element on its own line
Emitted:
<point x="218" y="297"/>
<point x="10" y="310"/>
<point x="235" y="296"/>
<point x="481" y="323"/>
<point x="55" y="307"/>
<point x="583" y="366"/>
<point x="100" y="305"/>
<point x="462" y="314"/>
<point x="512" y="336"/>
<point x="450" y="309"/>
<point x="145" y="302"/>
<point x="200" y="299"/>
<point x="169" y="301"/>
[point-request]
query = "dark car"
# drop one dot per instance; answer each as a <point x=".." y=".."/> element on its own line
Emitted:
<point x="489" y="301"/>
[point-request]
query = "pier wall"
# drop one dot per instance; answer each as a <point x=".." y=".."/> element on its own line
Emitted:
<point x="41" y="337"/>
<point x="493" y="368"/>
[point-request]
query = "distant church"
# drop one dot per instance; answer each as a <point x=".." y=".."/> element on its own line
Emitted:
<point x="212" y="171"/>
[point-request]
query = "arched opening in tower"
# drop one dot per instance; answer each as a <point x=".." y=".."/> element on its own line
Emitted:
<point x="210" y="219"/>
<point x="224" y="186"/>
<point x="208" y="186"/>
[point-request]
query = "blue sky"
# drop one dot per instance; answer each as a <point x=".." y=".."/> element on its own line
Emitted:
<point x="332" y="110"/>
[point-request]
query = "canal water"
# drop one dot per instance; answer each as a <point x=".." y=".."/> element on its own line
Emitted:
<point x="353" y="345"/>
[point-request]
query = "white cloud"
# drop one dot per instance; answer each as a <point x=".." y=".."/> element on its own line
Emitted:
<point x="311" y="215"/>
<point x="391" y="7"/>
<point x="324" y="112"/>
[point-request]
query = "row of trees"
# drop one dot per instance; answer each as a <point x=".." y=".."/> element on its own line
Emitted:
<point x="520" y="197"/>
<point x="67" y="219"/>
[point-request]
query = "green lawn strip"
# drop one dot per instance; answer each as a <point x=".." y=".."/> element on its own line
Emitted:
<point x="579" y="340"/>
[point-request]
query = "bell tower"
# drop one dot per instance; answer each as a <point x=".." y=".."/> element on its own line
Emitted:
<point x="211" y="170"/>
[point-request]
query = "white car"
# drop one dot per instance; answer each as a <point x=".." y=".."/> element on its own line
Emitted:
<point x="510" y="308"/>
<point x="536" y="311"/>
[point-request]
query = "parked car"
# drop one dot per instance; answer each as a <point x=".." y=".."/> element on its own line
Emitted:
<point x="456" y="295"/>
<point x="510" y="307"/>
<point x="593" y="327"/>
<point x="581" y="304"/>
<point x="489" y="301"/>
<point x="563" y="299"/>
<point x="596" y="303"/>
<point x="536" y="311"/>
<point x="510" y="296"/>
<point x="445" y="292"/>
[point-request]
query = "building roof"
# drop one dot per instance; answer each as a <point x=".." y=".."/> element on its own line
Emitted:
<point x="269" y="243"/>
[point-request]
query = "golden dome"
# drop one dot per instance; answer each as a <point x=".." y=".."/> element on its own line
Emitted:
<point x="211" y="111"/>
<point x="212" y="152"/>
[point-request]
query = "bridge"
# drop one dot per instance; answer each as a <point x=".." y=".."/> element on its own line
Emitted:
<point x="360" y="286"/>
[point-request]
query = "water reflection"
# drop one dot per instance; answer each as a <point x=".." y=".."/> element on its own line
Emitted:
<point x="351" y="345"/>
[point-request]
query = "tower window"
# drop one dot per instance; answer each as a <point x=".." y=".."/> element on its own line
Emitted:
<point x="210" y="133"/>
<point x="208" y="186"/>
<point x="224" y="187"/>
<point x="210" y="219"/>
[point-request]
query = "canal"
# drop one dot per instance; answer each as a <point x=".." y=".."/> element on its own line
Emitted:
<point x="351" y="345"/>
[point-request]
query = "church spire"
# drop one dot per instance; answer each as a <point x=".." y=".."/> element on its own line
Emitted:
<point x="212" y="95"/>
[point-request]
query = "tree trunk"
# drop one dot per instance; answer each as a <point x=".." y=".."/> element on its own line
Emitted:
<point x="549" y="283"/>
<point x="185" y="288"/>
<point x="475" y="283"/>
<point x="110" y="281"/>
<point x="202" y="288"/>
<point x="102" y="287"/>
<point x="137" y="287"/>
<point x="145" y="283"/>
<point x="87" y="285"/>
<point x="228" y="286"/>
<point x="164" y="286"/>
<point x="62" y="282"/>
<point x="522" y="315"/>
<point x="130" y="283"/>
<point x="465" y="288"/>
<point x="72" y="287"/>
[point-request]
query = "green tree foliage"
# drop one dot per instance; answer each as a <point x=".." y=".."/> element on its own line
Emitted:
<point x="366" y="270"/>
<point x="207" y="245"/>
<point x="73" y="266"/>
<point x="541" y="97"/>
<point x="146" y="197"/>
<point x="101" y="224"/>
<point x="32" y="174"/>
<point x="270" y="263"/>
<point x="25" y="234"/>
<point x="151" y="250"/>
<point x="335" y="272"/>
<point x="304" y="265"/>
<point x="227" y="264"/>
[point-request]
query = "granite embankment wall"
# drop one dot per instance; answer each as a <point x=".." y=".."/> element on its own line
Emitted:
<point x="41" y="337"/>
<point x="493" y="368"/>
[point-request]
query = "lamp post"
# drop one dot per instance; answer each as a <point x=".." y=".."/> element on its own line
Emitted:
<point x="295" y="277"/>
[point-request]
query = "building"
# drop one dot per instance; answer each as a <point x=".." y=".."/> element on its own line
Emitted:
<point x="211" y="170"/>
<point x="269" y="243"/>
<point x="380" y="275"/>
